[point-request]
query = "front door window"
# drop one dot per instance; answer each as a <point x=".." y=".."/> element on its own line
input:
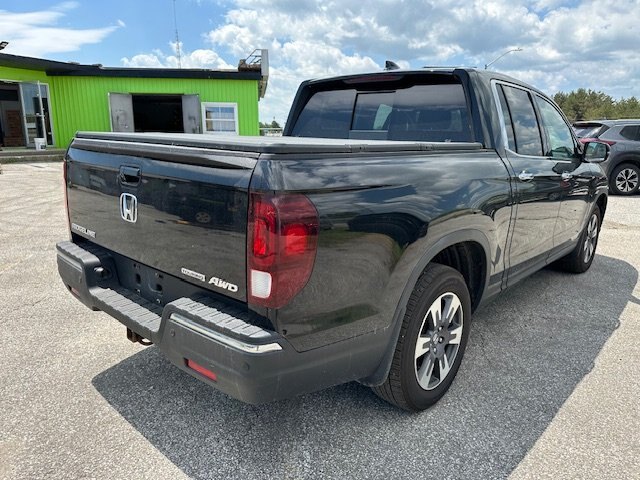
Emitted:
<point x="561" y="144"/>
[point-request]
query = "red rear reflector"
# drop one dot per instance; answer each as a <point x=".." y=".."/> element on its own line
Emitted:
<point x="201" y="370"/>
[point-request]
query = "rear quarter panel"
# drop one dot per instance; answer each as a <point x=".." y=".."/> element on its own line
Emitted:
<point x="379" y="216"/>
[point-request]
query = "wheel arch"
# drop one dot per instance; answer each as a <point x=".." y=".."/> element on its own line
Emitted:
<point x="632" y="158"/>
<point x="601" y="203"/>
<point x="451" y="250"/>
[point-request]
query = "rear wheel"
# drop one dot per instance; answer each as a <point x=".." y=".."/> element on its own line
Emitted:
<point x="432" y="340"/>
<point x="581" y="258"/>
<point x="203" y="217"/>
<point x="625" y="179"/>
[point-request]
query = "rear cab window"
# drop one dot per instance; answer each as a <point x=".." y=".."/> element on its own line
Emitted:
<point x="591" y="130"/>
<point x="432" y="109"/>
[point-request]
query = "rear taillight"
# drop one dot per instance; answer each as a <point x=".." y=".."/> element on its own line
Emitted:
<point x="282" y="239"/>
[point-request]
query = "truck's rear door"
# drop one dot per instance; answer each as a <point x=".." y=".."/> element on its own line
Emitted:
<point x="178" y="210"/>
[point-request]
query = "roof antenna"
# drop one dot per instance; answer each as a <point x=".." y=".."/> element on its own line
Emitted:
<point x="389" y="65"/>
<point x="175" y="23"/>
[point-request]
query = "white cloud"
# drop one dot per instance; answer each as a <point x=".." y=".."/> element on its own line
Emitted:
<point x="565" y="44"/>
<point x="66" y="6"/>
<point x="35" y="34"/>
<point x="200" y="58"/>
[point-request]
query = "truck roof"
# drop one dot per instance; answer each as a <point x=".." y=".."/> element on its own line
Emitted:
<point x="450" y="70"/>
<point x="485" y="75"/>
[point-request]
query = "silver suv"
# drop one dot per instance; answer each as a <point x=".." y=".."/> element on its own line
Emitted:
<point x="623" y="165"/>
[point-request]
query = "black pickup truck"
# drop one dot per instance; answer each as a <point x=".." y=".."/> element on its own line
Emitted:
<point x="355" y="247"/>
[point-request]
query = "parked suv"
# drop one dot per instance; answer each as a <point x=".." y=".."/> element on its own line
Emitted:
<point x="623" y="164"/>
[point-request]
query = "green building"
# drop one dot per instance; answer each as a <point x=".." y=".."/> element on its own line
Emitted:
<point x="44" y="101"/>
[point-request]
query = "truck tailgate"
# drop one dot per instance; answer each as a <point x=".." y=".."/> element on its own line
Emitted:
<point x="179" y="210"/>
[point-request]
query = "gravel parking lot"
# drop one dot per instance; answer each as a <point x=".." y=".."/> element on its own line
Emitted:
<point x="549" y="386"/>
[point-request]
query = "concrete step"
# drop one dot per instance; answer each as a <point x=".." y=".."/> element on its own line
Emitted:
<point x="15" y="155"/>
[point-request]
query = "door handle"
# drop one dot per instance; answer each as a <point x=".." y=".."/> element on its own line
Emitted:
<point x="525" y="176"/>
<point x="129" y="175"/>
<point x="566" y="176"/>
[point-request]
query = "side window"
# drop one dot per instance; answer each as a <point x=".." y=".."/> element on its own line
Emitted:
<point x="631" y="132"/>
<point x="508" y="123"/>
<point x="561" y="143"/>
<point x="220" y="117"/>
<point x="525" y="124"/>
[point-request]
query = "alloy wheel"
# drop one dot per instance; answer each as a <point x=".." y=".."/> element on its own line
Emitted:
<point x="438" y="340"/>
<point x="627" y="180"/>
<point x="591" y="238"/>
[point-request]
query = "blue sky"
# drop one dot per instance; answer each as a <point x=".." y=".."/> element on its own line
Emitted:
<point x="566" y="44"/>
<point x="137" y="28"/>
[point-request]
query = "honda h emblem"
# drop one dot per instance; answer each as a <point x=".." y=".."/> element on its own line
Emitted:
<point x="129" y="207"/>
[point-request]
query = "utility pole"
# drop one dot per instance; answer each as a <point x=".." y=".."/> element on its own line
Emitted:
<point x="175" y="23"/>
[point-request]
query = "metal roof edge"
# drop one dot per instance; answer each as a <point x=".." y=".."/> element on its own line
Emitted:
<point x="55" y="68"/>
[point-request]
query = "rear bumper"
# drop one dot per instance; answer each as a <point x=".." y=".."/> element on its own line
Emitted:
<point x="250" y="363"/>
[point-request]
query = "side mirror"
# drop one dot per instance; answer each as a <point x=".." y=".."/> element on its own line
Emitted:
<point x="595" y="152"/>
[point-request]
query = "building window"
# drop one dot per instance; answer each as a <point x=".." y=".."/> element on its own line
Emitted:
<point x="221" y="118"/>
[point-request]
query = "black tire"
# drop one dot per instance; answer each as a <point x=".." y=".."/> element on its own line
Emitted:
<point x="202" y="217"/>
<point x="402" y="388"/>
<point x="625" y="179"/>
<point x="581" y="258"/>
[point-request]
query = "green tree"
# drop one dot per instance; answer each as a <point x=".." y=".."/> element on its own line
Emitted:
<point x="272" y="124"/>
<point x="583" y="104"/>
<point x="629" y="108"/>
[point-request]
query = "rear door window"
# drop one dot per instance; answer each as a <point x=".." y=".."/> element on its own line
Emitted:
<point x="524" y="121"/>
<point x="630" y="132"/>
<point x="508" y="122"/>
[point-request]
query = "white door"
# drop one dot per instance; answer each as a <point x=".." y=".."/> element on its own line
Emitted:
<point x="121" y="107"/>
<point x="191" y="113"/>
